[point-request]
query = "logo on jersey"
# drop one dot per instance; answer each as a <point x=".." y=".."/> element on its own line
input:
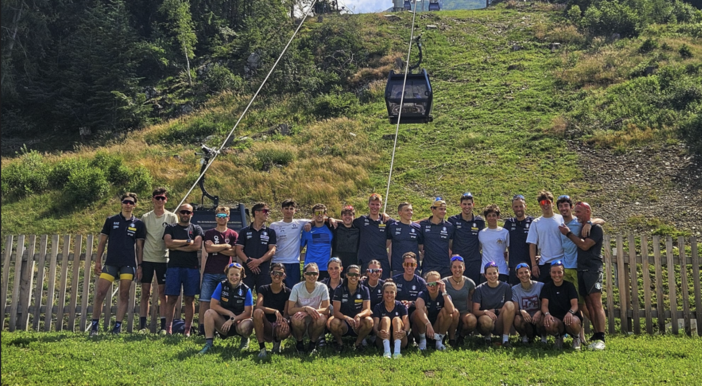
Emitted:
<point x="216" y="239"/>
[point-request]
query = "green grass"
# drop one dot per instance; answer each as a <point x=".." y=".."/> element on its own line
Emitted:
<point x="65" y="358"/>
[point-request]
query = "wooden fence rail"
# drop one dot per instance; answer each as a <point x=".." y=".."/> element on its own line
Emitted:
<point x="652" y="285"/>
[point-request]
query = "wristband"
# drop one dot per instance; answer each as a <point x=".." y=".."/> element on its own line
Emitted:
<point x="568" y="234"/>
<point x="571" y="312"/>
<point x="547" y="314"/>
<point x="444" y="293"/>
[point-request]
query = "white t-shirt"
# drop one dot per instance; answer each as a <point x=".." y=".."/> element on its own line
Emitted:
<point x="304" y="298"/>
<point x="287" y="249"/>
<point x="545" y="234"/>
<point x="494" y="242"/>
<point x="154" y="247"/>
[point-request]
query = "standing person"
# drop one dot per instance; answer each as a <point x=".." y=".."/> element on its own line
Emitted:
<point x="318" y="240"/>
<point x="308" y="306"/>
<point x="287" y="251"/>
<point x="559" y="306"/>
<point x="493" y="306"/>
<point x="518" y="228"/>
<point x="590" y="271"/>
<point x="390" y="321"/>
<point x="270" y="318"/>
<point x="438" y="235"/>
<point x="495" y="241"/>
<point x="409" y="284"/>
<point x="155" y="257"/>
<point x="374" y="283"/>
<point x="525" y="296"/>
<point x="352" y="312"/>
<point x="403" y="236"/>
<point x="256" y="246"/>
<point x="126" y="235"/>
<point x="435" y="312"/>
<point x="346" y="238"/>
<point x="461" y="289"/>
<point x="372" y="235"/>
<point x="220" y="247"/>
<point x="230" y="311"/>
<point x="544" y="235"/>
<point x="466" y="242"/>
<point x="183" y="240"/>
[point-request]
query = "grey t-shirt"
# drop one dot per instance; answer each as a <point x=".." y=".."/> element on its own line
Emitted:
<point x="460" y="297"/>
<point x="527" y="300"/>
<point x="490" y="298"/>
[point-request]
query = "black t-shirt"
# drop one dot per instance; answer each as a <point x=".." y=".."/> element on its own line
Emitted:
<point x="409" y="290"/>
<point x="345" y="240"/>
<point x="591" y="260"/>
<point x="181" y="259"/>
<point x="558" y="297"/>
<point x="405" y="238"/>
<point x="351" y="303"/>
<point x="437" y="238"/>
<point x="327" y="282"/>
<point x="274" y="300"/>
<point x="371" y="238"/>
<point x="376" y="293"/>
<point x="433" y="306"/>
<point x="465" y="237"/>
<point x="379" y="311"/>
<point x="518" y="247"/>
<point x="122" y="235"/>
<point x="256" y="242"/>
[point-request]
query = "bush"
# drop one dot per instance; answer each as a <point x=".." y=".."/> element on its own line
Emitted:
<point x="648" y="45"/>
<point x="28" y="175"/>
<point x="58" y="176"/>
<point x="610" y="17"/>
<point x="335" y="105"/>
<point x="691" y="133"/>
<point x="273" y="156"/>
<point x="685" y="51"/>
<point x="113" y="167"/>
<point x="220" y="78"/>
<point x="140" y="180"/>
<point x="86" y="185"/>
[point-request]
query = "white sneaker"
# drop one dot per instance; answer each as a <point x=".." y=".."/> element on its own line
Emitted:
<point x="576" y="344"/>
<point x="422" y="344"/>
<point x="244" y="345"/>
<point x="387" y="355"/>
<point x="262" y="354"/>
<point x="276" y="347"/>
<point x="525" y="339"/>
<point x="440" y="346"/>
<point x="364" y="343"/>
<point x="597" y="345"/>
<point x="396" y="355"/>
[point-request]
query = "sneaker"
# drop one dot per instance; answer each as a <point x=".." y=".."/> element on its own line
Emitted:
<point x="244" y="345"/>
<point x="387" y="355"/>
<point x="312" y="348"/>
<point x="364" y="343"/>
<point x="117" y="330"/>
<point x="440" y="346"/>
<point x="396" y="355"/>
<point x="300" y="347"/>
<point x="597" y="345"/>
<point x="276" y="348"/>
<point x="506" y="344"/>
<point x="321" y="342"/>
<point x="422" y="344"/>
<point x="262" y="354"/>
<point x="339" y="348"/>
<point x="487" y="341"/>
<point x="371" y="339"/>
<point x="525" y="339"/>
<point x="559" y="342"/>
<point x="576" y="344"/>
<point x="93" y="333"/>
<point x="205" y="349"/>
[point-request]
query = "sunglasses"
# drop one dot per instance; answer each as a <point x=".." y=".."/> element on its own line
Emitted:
<point x="222" y="215"/>
<point x="265" y="211"/>
<point x="353" y="274"/>
<point x="311" y="273"/>
<point x="457" y="258"/>
<point x="335" y="260"/>
<point x="521" y="265"/>
<point x="128" y="202"/>
<point x="185" y="212"/>
<point x="432" y="284"/>
<point x="564" y="197"/>
<point x="349" y="207"/>
<point x="409" y="265"/>
<point x="518" y="197"/>
<point x="490" y="264"/>
<point x="375" y="270"/>
<point x="545" y="202"/>
<point x="467" y="195"/>
<point x="160" y="198"/>
<point x="235" y="265"/>
<point x="318" y="212"/>
<point x="277" y="273"/>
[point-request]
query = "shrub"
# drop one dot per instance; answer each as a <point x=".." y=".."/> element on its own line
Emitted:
<point x="113" y="167"/>
<point x="648" y="45"/>
<point x="86" y="185"/>
<point x="335" y="105"/>
<point x="140" y="180"/>
<point x="691" y="133"/>
<point x="685" y="51"/>
<point x="220" y="78"/>
<point x="58" y="176"/>
<point x="28" y="175"/>
<point x="274" y="156"/>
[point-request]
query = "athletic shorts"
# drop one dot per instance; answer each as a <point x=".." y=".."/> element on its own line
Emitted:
<point x="111" y="272"/>
<point x="189" y="278"/>
<point x="432" y="317"/>
<point x="590" y="282"/>
<point x="349" y="331"/>
<point x="209" y="284"/>
<point x="232" y="331"/>
<point x="148" y="269"/>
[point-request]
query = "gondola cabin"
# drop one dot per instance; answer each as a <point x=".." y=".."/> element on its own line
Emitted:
<point x="408" y="5"/>
<point x="434" y="5"/>
<point x="416" y="106"/>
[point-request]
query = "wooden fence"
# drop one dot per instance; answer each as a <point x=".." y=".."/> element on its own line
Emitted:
<point x="52" y="286"/>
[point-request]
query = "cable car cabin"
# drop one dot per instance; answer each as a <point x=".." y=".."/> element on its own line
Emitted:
<point x="418" y="98"/>
<point x="408" y="5"/>
<point x="434" y="5"/>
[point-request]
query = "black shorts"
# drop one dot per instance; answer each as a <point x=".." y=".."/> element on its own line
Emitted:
<point x="590" y="282"/>
<point x="147" y="272"/>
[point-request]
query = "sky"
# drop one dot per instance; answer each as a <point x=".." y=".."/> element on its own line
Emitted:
<point x="364" y="6"/>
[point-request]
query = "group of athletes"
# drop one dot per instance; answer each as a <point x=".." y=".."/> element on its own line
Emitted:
<point x="379" y="280"/>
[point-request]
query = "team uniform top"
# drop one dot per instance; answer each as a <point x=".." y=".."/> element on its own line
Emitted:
<point x="288" y="241"/>
<point x="351" y="303"/>
<point x="434" y="306"/>
<point x="376" y="293"/>
<point x="256" y="242"/>
<point x="304" y="298"/>
<point x="570" y="250"/>
<point x="155" y="250"/>
<point x="492" y="298"/>
<point x="436" y="244"/>
<point x="460" y="297"/>
<point x="182" y="259"/>
<point x="379" y="311"/>
<point x="273" y="300"/>
<point x="231" y="298"/>
<point x="405" y="238"/>
<point x="527" y="300"/>
<point x="319" y="242"/>
<point x="518" y="247"/>
<point x="123" y="234"/>
<point x="327" y="282"/>
<point x="559" y="297"/>
<point x="465" y="237"/>
<point x="345" y="244"/>
<point x="591" y="260"/>
<point x="216" y="261"/>
<point x="372" y="239"/>
<point x="545" y="234"/>
<point x="495" y="242"/>
<point x="409" y="289"/>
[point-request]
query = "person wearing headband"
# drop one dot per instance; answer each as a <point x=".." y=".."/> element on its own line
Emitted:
<point x="493" y="306"/>
<point x="525" y="296"/>
<point x="230" y="309"/>
<point x="270" y="318"/>
<point x="518" y="228"/>
<point x="461" y="289"/>
<point x="494" y="240"/>
<point x="438" y="237"/>
<point x="544" y="235"/>
<point x="287" y="250"/>
<point x="559" y="306"/>
<point x="318" y="240"/>
<point x="466" y="243"/>
<point x="256" y="246"/>
<point x="403" y="236"/>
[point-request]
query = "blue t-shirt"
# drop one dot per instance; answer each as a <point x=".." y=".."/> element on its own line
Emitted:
<point x="465" y="237"/>
<point x="319" y="244"/>
<point x="436" y="245"/>
<point x="518" y="247"/>
<point x="379" y="311"/>
<point x="351" y="303"/>
<point x="433" y="306"/>
<point x="372" y="239"/>
<point x="405" y="238"/>
<point x="409" y="290"/>
<point x="217" y="295"/>
<point x="570" y="250"/>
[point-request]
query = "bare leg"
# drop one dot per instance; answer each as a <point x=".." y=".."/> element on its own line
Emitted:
<point x="485" y="326"/>
<point x="455" y="319"/>
<point x="338" y="329"/>
<point x="364" y="329"/>
<point x="316" y="328"/>
<point x="170" y="310"/>
<point x="245" y="328"/>
<point x="103" y="285"/>
<point x="204" y="306"/>
<point x="144" y="300"/>
<point x="124" y="286"/>
<point x="261" y="325"/>
<point x="470" y="323"/>
<point x="189" y="313"/>
<point x="398" y="326"/>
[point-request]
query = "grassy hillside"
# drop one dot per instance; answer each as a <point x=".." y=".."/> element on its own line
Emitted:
<point x="505" y="106"/>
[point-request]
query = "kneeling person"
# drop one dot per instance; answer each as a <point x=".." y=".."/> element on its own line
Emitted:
<point x="559" y="305"/>
<point x="230" y="309"/>
<point x="492" y="304"/>
<point x="352" y="313"/>
<point x="270" y="317"/>
<point x="435" y="312"/>
<point x="390" y="320"/>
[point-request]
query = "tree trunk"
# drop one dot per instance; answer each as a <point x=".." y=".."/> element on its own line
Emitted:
<point x="187" y="65"/>
<point x="10" y="45"/>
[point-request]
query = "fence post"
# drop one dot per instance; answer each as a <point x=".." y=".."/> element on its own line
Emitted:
<point x="52" y="283"/>
<point x="646" y="284"/>
<point x="74" y="283"/>
<point x="16" y="283"/>
<point x="6" y="276"/>
<point x="659" y="283"/>
<point x="39" y="291"/>
<point x="696" y="283"/>
<point x="634" y="285"/>
<point x="672" y="294"/>
<point x="683" y="285"/>
<point x="62" y="287"/>
<point x="86" y="283"/>
<point x="623" y="288"/>
<point x="610" y="287"/>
